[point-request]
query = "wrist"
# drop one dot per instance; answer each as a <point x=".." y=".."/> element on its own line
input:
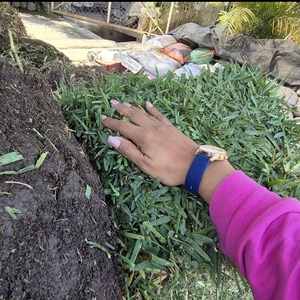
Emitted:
<point x="215" y="173"/>
<point x="208" y="168"/>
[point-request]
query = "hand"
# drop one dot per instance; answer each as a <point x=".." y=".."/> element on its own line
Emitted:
<point x="152" y="143"/>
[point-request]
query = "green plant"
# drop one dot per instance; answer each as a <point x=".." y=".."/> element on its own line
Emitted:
<point x="12" y="156"/>
<point x="14" y="52"/>
<point x="278" y="20"/>
<point x="167" y="241"/>
<point x="13" y="211"/>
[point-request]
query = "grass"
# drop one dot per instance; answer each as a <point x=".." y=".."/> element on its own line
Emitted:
<point x="10" y="158"/>
<point x="168" y="245"/>
<point x="15" y="156"/>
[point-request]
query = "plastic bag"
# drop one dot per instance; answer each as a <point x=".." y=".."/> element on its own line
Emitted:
<point x="105" y="57"/>
<point x="154" y="64"/>
<point x="160" y="42"/>
<point x="189" y="69"/>
<point x="178" y="51"/>
<point x="201" y="56"/>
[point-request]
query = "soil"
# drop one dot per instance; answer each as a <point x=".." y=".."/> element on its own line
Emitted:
<point x="47" y="249"/>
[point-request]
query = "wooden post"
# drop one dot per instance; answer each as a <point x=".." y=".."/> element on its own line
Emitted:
<point x="108" y="12"/>
<point x="169" y="17"/>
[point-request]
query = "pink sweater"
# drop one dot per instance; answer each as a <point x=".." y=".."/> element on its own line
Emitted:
<point x="260" y="232"/>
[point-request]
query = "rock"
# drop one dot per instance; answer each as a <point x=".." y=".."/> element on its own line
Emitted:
<point x="290" y="97"/>
<point x="297" y="112"/>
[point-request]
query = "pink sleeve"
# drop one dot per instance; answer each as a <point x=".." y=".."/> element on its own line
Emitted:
<point x="260" y="232"/>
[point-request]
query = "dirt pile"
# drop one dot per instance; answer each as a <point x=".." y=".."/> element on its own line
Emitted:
<point x="56" y="236"/>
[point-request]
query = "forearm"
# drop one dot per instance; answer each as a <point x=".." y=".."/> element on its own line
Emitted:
<point x="260" y="232"/>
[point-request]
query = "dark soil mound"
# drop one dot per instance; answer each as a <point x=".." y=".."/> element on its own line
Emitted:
<point x="56" y="237"/>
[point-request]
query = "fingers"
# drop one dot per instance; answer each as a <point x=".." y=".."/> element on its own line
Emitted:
<point x="134" y="114"/>
<point x="156" y="113"/>
<point x="130" y="151"/>
<point x="137" y="117"/>
<point x="125" y="128"/>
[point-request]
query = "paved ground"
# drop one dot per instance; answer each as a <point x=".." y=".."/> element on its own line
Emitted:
<point x="71" y="39"/>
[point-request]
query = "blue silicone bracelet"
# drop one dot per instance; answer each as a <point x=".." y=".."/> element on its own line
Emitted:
<point x="195" y="173"/>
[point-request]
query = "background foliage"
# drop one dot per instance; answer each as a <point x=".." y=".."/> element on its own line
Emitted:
<point x="262" y="20"/>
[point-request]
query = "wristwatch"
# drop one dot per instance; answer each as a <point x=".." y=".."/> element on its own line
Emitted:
<point x="204" y="155"/>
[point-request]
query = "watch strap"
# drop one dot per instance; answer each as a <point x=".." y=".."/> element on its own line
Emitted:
<point x="195" y="173"/>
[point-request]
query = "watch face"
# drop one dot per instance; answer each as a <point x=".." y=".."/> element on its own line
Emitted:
<point x="214" y="152"/>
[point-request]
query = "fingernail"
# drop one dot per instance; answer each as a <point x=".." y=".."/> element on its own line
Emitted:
<point x="115" y="142"/>
<point x="127" y="104"/>
<point x="103" y="117"/>
<point x="114" y="102"/>
<point x="149" y="104"/>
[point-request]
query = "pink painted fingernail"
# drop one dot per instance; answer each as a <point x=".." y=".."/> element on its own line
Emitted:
<point x="127" y="104"/>
<point x="114" y="102"/>
<point x="149" y="104"/>
<point x="115" y="142"/>
<point x="103" y="117"/>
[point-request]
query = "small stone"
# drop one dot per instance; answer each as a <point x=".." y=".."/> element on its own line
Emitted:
<point x="290" y="96"/>
<point x="297" y="111"/>
<point x="216" y="66"/>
